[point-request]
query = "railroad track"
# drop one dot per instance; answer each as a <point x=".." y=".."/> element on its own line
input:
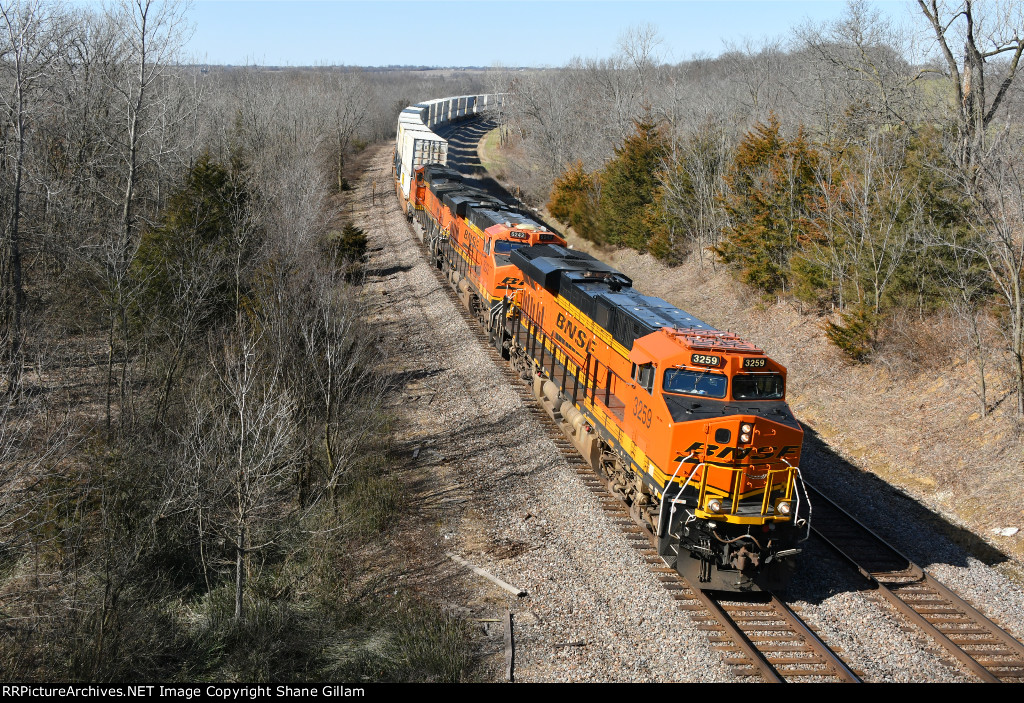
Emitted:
<point x="760" y="637"/>
<point x="757" y="635"/>
<point x="981" y="645"/>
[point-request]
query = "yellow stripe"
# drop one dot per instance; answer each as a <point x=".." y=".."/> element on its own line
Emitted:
<point x="611" y="425"/>
<point x="469" y="262"/>
<point x="610" y="421"/>
<point x="595" y="329"/>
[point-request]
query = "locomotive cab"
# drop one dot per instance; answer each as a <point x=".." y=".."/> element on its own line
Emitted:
<point x="499" y="277"/>
<point x="723" y="451"/>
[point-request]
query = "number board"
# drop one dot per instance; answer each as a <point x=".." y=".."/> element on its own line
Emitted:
<point x="705" y="359"/>
<point x="518" y="235"/>
<point x="547" y="237"/>
<point x="754" y="363"/>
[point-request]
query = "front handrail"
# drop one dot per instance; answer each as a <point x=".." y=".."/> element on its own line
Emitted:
<point x="772" y="484"/>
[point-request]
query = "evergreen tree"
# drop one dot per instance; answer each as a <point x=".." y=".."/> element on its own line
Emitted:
<point x="573" y="200"/>
<point x="670" y="227"/>
<point x="628" y="185"/>
<point x="348" y="249"/>
<point x="186" y="262"/>
<point x="686" y="215"/>
<point x="771" y="205"/>
<point x="854" y="334"/>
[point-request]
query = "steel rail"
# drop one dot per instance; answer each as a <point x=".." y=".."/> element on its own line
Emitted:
<point x="945" y="617"/>
<point x="985" y="649"/>
<point x="770" y="649"/>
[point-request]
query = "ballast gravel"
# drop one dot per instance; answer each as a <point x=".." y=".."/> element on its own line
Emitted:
<point x="503" y="497"/>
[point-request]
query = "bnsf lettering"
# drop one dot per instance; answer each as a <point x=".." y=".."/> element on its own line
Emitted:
<point x="738" y="453"/>
<point x="578" y="335"/>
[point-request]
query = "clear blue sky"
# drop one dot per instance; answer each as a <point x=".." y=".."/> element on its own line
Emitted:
<point x="455" y="33"/>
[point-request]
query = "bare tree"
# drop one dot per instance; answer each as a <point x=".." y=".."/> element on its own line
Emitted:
<point x="33" y="442"/>
<point x="862" y="55"/>
<point x="999" y="208"/>
<point x="966" y="282"/>
<point x="238" y="451"/>
<point x="348" y="101"/>
<point x="32" y="36"/>
<point x="148" y="36"/>
<point x="757" y="68"/>
<point x="692" y="185"/>
<point x="638" y="47"/>
<point x="343" y="357"/>
<point x="985" y="31"/>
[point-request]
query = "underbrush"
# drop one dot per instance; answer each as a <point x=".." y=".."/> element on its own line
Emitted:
<point x="118" y="587"/>
<point x="911" y="345"/>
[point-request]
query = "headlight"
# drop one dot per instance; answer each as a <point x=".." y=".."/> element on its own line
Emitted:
<point x="745" y="437"/>
<point x="746" y="428"/>
<point x="783" y="507"/>
<point x="715" y="505"/>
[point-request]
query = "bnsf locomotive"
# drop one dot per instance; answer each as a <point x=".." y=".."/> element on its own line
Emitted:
<point x="688" y="424"/>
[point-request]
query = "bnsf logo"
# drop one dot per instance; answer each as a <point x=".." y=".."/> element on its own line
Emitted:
<point x="509" y="282"/>
<point x="738" y="453"/>
<point x="577" y="335"/>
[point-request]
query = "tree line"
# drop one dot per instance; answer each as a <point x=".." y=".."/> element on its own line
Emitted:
<point x="196" y="454"/>
<point x="870" y="172"/>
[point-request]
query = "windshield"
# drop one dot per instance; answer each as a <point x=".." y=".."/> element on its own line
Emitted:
<point x="711" y="385"/>
<point x="767" y="386"/>
<point x="503" y="246"/>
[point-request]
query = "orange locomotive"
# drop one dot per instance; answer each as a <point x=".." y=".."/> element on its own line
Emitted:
<point x="471" y="235"/>
<point x="688" y="423"/>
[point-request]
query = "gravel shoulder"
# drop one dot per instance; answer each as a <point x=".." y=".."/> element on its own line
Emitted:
<point x="489" y="485"/>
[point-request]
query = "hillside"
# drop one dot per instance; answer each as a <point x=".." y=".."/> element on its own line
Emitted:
<point x="911" y="422"/>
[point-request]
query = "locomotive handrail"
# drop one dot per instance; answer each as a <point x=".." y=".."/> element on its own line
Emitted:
<point x="664" y="494"/>
<point x="735" y="492"/>
<point x="810" y="506"/>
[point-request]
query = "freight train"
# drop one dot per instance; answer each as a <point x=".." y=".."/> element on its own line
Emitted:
<point x="688" y="424"/>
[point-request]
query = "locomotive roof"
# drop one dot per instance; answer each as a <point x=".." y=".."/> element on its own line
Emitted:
<point x="545" y="264"/>
<point x="459" y="200"/>
<point x="440" y="187"/>
<point x="601" y="293"/>
<point x="490" y="214"/>
<point x="437" y="172"/>
<point x="518" y="219"/>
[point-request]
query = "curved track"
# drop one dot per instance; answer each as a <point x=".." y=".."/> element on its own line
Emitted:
<point x="757" y="634"/>
<point x="757" y="637"/>
<point x="973" y="639"/>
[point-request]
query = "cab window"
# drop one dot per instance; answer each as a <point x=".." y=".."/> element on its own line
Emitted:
<point x="768" y="386"/>
<point x="503" y="246"/>
<point x="487" y="248"/>
<point x="644" y="376"/>
<point x="702" y="383"/>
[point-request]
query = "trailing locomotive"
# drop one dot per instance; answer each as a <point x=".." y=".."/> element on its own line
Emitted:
<point x="688" y="424"/>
